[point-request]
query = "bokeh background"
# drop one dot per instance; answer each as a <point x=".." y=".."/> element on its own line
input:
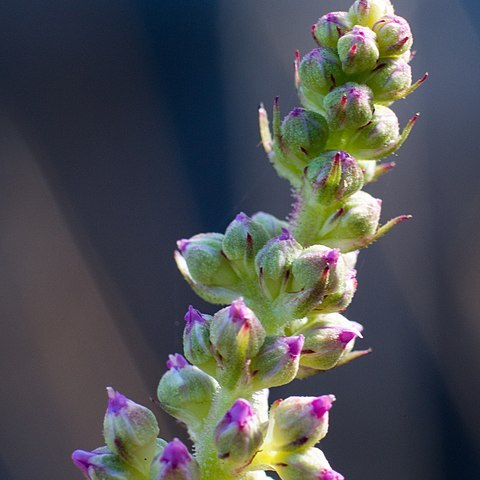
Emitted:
<point x="127" y="124"/>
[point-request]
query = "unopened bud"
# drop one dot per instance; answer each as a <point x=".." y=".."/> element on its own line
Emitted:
<point x="271" y="224"/>
<point x="394" y="36"/>
<point x="390" y="80"/>
<point x="243" y="238"/>
<point x="304" y="133"/>
<point x="130" y="430"/>
<point x="354" y="225"/>
<point x="368" y="12"/>
<point x="238" y="435"/>
<point x="273" y="262"/>
<point x="358" y="50"/>
<point x="205" y="261"/>
<point x="196" y="337"/>
<point x="310" y="464"/>
<point x="101" y="464"/>
<point x="341" y="299"/>
<point x="349" y="106"/>
<point x="186" y="392"/>
<point x="277" y="362"/>
<point x="321" y="70"/>
<point x="330" y="28"/>
<point x="378" y="137"/>
<point x="298" y="422"/>
<point x="236" y="335"/>
<point x="175" y="463"/>
<point x="334" y="175"/>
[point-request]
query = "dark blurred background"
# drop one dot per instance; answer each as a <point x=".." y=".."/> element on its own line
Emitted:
<point x="125" y="125"/>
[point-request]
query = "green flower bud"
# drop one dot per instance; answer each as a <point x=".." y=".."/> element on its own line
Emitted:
<point x="196" y="339"/>
<point x="378" y="138"/>
<point x="368" y="12"/>
<point x="341" y="299"/>
<point x="236" y="336"/>
<point x="394" y="36"/>
<point x="101" y="464"/>
<point x="130" y="431"/>
<point x="310" y="464"/>
<point x="271" y="224"/>
<point x="320" y="70"/>
<point x="277" y="362"/>
<point x="185" y="392"/>
<point x="349" y="106"/>
<point x="358" y="50"/>
<point x="334" y="175"/>
<point x="390" y="80"/>
<point x="205" y="261"/>
<point x="243" y="238"/>
<point x="175" y="463"/>
<point x="238" y="435"/>
<point x="273" y="263"/>
<point x="354" y="225"/>
<point x="298" y="423"/>
<point x="304" y="133"/>
<point x="330" y="28"/>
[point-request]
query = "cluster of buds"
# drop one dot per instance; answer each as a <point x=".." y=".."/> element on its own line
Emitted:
<point x="133" y="451"/>
<point x="285" y="282"/>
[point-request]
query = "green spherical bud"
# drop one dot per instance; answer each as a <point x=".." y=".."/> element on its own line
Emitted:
<point x="309" y="464"/>
<point x="349" y="106"/>
<point x="377" y="137"/>
<point x="321" y="70"/>
<point x="358" y="50"/>
<point x="175" y="463"/>
<point x="102" y="464"/>
<point x="130" y="431"/>
<point x="297" y="423"/>
<point x="205" y="260"/>
<point x="185" y="392"/>
<point x="354" y="225"/>
<point x="394" y="36"/>
<point x="334" y="175"/>
<point x="271" y="224"/>
<point x="368" y="12"/>
<point x="238" y="435"/>
<point x="341" y="299"/>
<point x="277" y="362"/>
<point x="390" y="80"/>
<point x="196" y="338"/>
<point x="304" y="133"/>
<point x="330" y="28"/>
<point x="274" y="260"/>
<point x="243" y="238"/>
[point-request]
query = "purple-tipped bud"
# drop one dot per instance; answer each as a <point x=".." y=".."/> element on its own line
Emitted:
<point x="378" y="138"/>
<point x="368" y="12"/>
<point x="330" y="28"/>
<point x="390" y="80"/>
<point x="238" y="435"/>
<point x="196" y="337"/>
<point x="317" y="272"/>
<point x="243" y="239"/>
<point x="349" y="106"/>
<point x="358" y="50"/>
<point x="309" y="464"/>
<point x="130" y="430"/>
<point x="277" y="362"/>
<point x="101" y="464"/>
<point x="304" y="134"/>
<point x="271" y="224"/>
<point x="298" y="422"/>
<point x="333" y="176"/>
<point x="185" y="391"/>
<point x="236" y="335"/>
<point x="274" y="261"/>
<point x="321" y="70"/>
<point x="205" y="261"/>
<point x="175" y="463"/>
<point x="394" y="36"/>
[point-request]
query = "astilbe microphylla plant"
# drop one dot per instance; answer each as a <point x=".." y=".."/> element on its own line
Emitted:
<point x="284" y="282"/>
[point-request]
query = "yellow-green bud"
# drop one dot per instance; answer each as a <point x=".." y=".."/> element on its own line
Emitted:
<point x="358" y="50"/>
<point x="368" y="12"/>
<point x="394" y="36"/>
<point x="390" y="80"/>
<point x="271" y="224"/>
<point x="330" y="28"/>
